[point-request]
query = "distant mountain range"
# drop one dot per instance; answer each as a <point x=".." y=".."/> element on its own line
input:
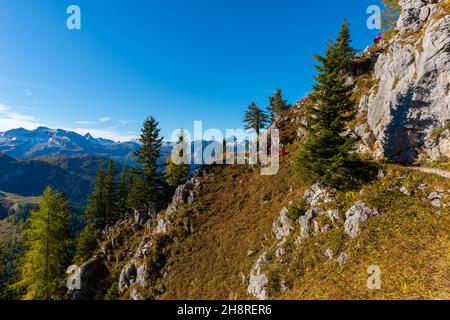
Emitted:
<point x="26" y="144"/>
<point x="23" y="144"/>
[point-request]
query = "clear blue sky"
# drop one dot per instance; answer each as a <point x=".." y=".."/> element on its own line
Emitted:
<point x="178" y="60"/>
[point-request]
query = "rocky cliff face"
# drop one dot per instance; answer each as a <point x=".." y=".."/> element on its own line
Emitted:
<point x="410" y="100"/>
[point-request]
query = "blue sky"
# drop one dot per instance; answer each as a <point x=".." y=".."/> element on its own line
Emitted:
<point x="179" y="61"/>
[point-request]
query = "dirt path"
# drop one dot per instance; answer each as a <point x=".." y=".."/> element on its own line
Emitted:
<point x="439" y="172"/>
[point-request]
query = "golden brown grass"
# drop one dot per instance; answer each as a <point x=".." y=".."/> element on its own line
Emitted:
<point x="409" y="241"/>
<point x="229" y="221"/>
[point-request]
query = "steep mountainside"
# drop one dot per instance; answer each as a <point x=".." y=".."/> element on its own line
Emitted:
<point x="31" y="177"/>
<point x="231" y="233"/>
<point x="86" y="166"/>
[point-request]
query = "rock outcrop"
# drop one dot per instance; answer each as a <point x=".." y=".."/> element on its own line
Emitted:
<point x="136" y="271"/>
<point x="308" y="224"/>
<point x="316" y="195"/>
<point x="355" y="216"/>
<point x="258" y="281"/>
<point x="127" y="277"/>
<point x="283" y="226"/>
<point x="86" y="280"/>
<point x="185" y="193"/>
<point x="413" y="82"/>
<point x="143" y="215"/>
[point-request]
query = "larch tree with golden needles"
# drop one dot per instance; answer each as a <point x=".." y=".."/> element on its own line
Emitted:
<point x="47" y="243"/>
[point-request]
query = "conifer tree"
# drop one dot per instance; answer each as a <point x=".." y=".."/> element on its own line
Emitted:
<point x="86" y="243"/>
<point x="110" y="195"/>
<point x="277" y="105"/>
<point x="47" y="241"/>
<point x="176" y="174"/>
<point x="327" y="153"/>
<point x="255" y="118"/>
<point x="123" y="192"/>
<point x="147" y="181"/>
<point x="4" y="286"/>
<point x="96" y="208"/>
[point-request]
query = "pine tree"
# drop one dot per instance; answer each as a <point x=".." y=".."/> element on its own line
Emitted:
<point x="277" y="105"/>
<point x="255" y="118"/>
<point x="47" y="242"/>
<point x="176" y="175"/>
<point x="327" y="154"/>
<point x="147" y="181"/>
<point x="96" y="208"/>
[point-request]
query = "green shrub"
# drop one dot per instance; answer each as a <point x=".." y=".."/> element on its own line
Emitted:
<point x="113" y="292"/>
<point x="295" y="212"/>
<point x="86" y="243"/>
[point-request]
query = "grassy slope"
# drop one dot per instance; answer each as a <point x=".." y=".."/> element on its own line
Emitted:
<point x="9" y="230"/>
<point x="229" y="221"/>
<point x="13" y="198"/>
<point x="410" y="241"/>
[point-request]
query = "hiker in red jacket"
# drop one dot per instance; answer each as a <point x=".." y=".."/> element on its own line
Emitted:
<point x="282" y="151"/>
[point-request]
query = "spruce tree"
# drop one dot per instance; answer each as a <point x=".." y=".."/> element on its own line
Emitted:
<point x="96" y="208"/>
<point x="47" y="241"/>
<point x="111" y="195"/>
<point x="176" y="175"/>
<point x="86" y="243"/>
<point x="255" y="118"/>
<point x="123" y="192"/>
<point x="147" y="181"/>
<point x="277" y="105"/>
<point x="327" y="153"/>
